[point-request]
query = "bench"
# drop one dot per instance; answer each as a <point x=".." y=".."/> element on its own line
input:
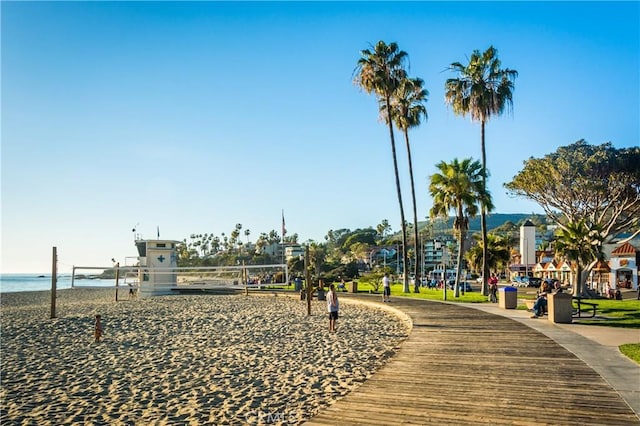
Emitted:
<point x="583" y="310"/>
<point x="577" y="313"/>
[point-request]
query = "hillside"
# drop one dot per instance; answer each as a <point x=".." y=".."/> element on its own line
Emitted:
<point x="497" y="219"/>
<point x="494" y="220"/>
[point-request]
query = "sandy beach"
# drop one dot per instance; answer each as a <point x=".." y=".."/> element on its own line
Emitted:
<point x="192" y="359"/>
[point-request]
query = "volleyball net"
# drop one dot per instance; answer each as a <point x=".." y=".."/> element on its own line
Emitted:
<point x="155" y="281"/>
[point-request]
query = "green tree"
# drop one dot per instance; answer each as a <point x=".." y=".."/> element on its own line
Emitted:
<point x="383" y="228"/>
<point x="379" y="71"/>
<point x="366" y="236"/>
<point x="336" y="238"/>
<point x="291" y="238"/>
<point x="458" y="187"/>
<point x="318" y="255"/>
<point x="407" y="112"/>
<point x="581" y="244"/>
<point x="482" y="89"/>
<point x="597" y="185"/>
<point x="498" y="250"/>
<point x="360" y="251"/>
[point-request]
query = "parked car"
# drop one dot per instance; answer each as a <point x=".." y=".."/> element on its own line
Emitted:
<point x="465" y="286"/>
<point x="526" y="281"/>
<point x="534" y="282"/>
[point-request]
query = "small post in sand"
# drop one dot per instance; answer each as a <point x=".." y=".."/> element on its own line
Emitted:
<point x="307" y="278"/>
<point x="54" y="279"/>
<point x="245" y="278"/>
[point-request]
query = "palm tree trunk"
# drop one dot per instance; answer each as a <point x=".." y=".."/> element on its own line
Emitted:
<point x="416" y="287"/>
<point x="459" y="267"/>
<point x="577" y="287"/>
<point x="582" y="272"/>
<point x="461" y="236"/>
<point x="402" y="221"/>
<point x="483" y="219"/>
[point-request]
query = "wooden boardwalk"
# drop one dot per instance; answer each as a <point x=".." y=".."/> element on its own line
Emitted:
<point x="468" y="367"/>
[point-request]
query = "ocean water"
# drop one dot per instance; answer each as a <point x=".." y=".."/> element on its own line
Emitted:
<point x="10" y="283"/>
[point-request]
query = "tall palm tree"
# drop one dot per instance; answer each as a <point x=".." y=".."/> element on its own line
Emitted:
<point x="407" y="111"/>
<point x="481" y="90"/>
<point x="379" y="71"/>
<point x="459" y="187"/>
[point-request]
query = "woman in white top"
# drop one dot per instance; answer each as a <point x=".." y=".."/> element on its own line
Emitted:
<point x="386" y="288"/>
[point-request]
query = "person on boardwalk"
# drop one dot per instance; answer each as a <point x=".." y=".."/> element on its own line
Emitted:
<point x="493" y="288"/>
<point x="332" y="307"/>
<point x="386" y="288"/>
<point x="97" y="329"/>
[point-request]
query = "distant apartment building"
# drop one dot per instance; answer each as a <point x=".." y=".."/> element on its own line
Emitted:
<point x="440" y="251"/>
<point x="293" y="251"/>
<point x="288" y="250"/>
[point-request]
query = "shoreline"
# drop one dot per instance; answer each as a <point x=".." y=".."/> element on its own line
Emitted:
<point x="185" y="358"/>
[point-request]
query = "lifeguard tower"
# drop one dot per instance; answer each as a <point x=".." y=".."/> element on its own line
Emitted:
<point x="158" y="260"/>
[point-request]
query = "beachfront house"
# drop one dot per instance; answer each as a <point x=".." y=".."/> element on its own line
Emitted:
<point x="623" y="266"/>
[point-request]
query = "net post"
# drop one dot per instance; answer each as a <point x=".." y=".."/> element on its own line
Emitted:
<point x="117" y="278"/>
<point x="245" y="278"/>
<point x="54" y="283"/>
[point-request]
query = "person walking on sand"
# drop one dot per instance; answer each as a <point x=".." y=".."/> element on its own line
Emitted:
<point x="332" y="307"/>
<point x="386" y="288"/>
<point x="97" y="329"/>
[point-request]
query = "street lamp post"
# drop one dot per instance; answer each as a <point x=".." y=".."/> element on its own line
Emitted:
<point x="422" y="262"/>
<point x="384" y="255"/>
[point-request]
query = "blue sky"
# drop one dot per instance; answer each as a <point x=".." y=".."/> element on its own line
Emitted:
<point x="193" y="117"/>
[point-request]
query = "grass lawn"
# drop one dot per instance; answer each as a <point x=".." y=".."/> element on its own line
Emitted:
<point x="631" y="350"/>
<point x="616" y="313"/>
<point x="434" y="294"/>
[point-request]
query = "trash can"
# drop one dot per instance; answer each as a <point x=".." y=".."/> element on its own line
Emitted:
<point x="508" y="297"/>
<point x="297" y="283"/>
<point x="560" y="308"/>
<point x="353" y="286"/>
<point x="321" y="295"/>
